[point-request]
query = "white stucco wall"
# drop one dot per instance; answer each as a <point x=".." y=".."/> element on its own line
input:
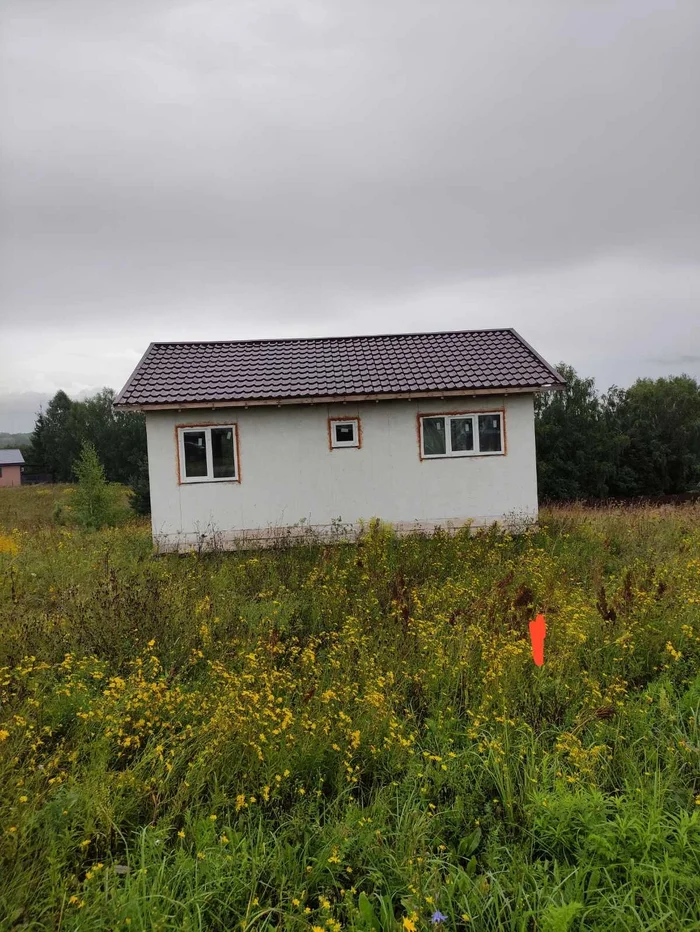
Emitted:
<point x="288" y="473"/>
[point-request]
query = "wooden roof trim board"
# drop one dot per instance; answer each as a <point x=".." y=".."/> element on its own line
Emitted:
<point x="334" y="399"/>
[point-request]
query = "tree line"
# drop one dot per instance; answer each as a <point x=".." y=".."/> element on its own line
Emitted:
<point x="639" y="441"/>
<point x="118" y="439"/>
<point x="625" y="443"/>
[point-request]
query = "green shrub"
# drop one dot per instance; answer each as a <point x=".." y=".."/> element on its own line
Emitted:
<point x="94" y="504"/>
<point x="140" y="490"/>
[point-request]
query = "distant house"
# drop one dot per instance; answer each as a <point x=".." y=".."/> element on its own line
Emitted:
<point x="11" y="466"/>
<point x="420" y="430"/>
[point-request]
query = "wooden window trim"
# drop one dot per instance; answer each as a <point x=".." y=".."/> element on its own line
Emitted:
<point x="201" y="480"/>
<point x="466" y="454"/>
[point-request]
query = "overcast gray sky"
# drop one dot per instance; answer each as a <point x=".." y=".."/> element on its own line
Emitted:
<point x="219" y="169"/>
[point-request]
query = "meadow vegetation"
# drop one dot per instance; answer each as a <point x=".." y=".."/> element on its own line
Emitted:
<point x="350" y="736"/>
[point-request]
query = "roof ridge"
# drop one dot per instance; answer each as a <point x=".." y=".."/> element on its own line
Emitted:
<point x="334" y="338"/>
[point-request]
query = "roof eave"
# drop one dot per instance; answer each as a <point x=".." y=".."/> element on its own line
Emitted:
<point x="338" y="399"/>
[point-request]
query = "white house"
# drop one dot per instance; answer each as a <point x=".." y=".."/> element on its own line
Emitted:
<point x="421" y="430"/>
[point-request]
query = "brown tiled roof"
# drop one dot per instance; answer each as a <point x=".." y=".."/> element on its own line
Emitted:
<point x="264" y="371"/>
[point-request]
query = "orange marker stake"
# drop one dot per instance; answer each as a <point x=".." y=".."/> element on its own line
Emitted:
<point x="538" y="632"/>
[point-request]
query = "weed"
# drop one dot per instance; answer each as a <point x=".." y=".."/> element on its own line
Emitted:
<point x="351" y="736"/>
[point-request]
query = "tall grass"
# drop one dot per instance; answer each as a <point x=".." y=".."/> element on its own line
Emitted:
<point x="352" y="736"/>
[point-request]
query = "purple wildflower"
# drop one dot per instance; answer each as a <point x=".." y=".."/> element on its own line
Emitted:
<point x="438" y="917"/>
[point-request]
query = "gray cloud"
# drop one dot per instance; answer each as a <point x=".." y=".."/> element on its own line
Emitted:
<point x="681" y="359"/>
<point x="187" y="169"/>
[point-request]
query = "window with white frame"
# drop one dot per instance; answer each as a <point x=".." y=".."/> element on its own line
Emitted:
<point x="475" y="434"/>
<point x="208" y="454"/>
<point x="345" y="433"/>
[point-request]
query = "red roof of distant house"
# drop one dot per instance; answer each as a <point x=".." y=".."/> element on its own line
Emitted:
<point x="328" y="368"/>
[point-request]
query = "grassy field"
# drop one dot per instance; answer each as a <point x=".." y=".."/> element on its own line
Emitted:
<point x="353" y="736"/>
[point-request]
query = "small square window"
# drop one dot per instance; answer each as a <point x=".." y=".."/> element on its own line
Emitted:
<point x="345" y="433"/>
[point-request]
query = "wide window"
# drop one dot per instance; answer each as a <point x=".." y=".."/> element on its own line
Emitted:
<point x="345" y="433"/>
<point x="208" y="454"/>
<point x="461" y="434"/>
